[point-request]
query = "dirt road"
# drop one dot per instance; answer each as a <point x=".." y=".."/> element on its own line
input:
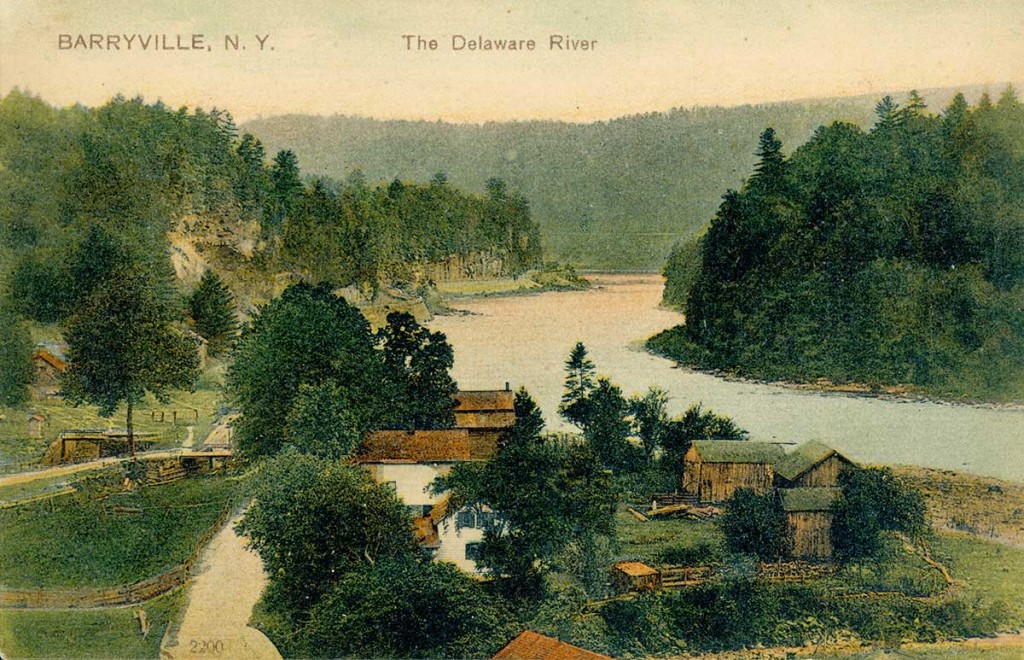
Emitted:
<point x="220" y="599"/>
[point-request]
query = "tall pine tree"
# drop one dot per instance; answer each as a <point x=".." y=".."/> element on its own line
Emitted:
<point x="212" y="308"/>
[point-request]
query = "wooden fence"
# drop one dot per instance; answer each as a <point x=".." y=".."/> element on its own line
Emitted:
<point x="120" y="595"/>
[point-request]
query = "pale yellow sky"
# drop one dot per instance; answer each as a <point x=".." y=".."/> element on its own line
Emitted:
<point x="349" y="57"/>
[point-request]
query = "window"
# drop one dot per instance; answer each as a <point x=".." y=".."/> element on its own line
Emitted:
<point x="465" y="519"/>
<point x="418" y="510"/>
<point x="473" y="551"/>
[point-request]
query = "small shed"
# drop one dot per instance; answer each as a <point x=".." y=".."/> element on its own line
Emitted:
<point x="809" y="513"/>
<point x="635" y="576"/>
<point x="530" y="645"/>
<point x="812" y="464"/>
<point x="715" y="469"/>
<point x="35" y="425"/>
<point x="47" y="369"/>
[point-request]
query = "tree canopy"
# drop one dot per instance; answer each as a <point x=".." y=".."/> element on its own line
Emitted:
<point x="887" y="256"/>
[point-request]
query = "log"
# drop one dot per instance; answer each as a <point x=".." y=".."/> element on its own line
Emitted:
<point x="636" y="514"/>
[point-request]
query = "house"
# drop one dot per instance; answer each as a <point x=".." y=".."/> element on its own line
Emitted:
<point x="530" y="645"/>
<point x="35" y="425"/>
<point x="810" y="464"/>
<point x="486" y="414"/>
<point x="634" y="576"/>
<point x="408" y="462"/>
<point x="48" y="367"/>
<point x="715" y="469"/>
<point x="809" y="520"/>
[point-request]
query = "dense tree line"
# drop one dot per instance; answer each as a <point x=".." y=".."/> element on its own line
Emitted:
<point x="654" y="177"/>
<point x="894" y="255"/>
<point x="137" y="171"/>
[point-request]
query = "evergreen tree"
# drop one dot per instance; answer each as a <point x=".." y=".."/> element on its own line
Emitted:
<point x="529" y="421"/>
<point x="15" y="359"/>
<point x="607" y="428"/>
<point x="286" y="188"/>
<point x="212" y="308"/>
<point x="122" y="344"/>
<point x="579" y="382"/>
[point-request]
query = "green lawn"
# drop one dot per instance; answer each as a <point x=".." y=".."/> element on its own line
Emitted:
<point x="648" y="541"/>
<point x="991" y="572"/>
<point x="100" y="633"/>
<point x="73" y="542"/>
<point x="16" y="447"/>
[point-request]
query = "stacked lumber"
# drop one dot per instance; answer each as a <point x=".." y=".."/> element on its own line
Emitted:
<point x="690" y="511"/>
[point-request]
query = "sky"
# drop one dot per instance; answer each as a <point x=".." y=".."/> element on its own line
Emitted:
<point x="345" y="57"/>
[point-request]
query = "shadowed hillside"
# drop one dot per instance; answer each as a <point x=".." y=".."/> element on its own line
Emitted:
<point x="609" y="195"/>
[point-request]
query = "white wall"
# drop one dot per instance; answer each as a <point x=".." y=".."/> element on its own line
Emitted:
<point x="411" y="479"/>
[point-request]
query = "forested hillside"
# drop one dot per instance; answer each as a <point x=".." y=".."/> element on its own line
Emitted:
<point x="610" y="195"/>
<point x="894" y="255"/>
<point x="177" y="191"/>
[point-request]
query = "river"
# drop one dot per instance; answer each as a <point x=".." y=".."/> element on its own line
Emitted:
<point x="524" y="340"/>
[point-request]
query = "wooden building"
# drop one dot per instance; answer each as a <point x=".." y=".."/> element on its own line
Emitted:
<point x="485" y="414"/>
<point x="78" y="445"/>
<point x="812" y="464"/>
<point x="715" y="469"/>
<point x="35" y="425"/>
<point x="634" y="576"/>
<point x="530" y="645"/>
<point x="809" y="520"/>
<point x="48" y="368"/>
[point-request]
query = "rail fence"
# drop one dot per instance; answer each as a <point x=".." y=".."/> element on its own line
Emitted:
<point x="120" y="595"/>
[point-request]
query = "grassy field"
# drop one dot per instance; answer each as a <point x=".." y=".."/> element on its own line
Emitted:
<point x="101" y="633"/>
<point x="17" y="448"/>
<point x="77" y="541"/>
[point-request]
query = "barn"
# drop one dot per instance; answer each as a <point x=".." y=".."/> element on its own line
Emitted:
<point x="812" y="464"/>
<point x="715" y="469"/>
<point x="809" y="520"/>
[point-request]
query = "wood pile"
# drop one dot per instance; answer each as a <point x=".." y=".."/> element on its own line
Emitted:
<point x="690" y="511"/>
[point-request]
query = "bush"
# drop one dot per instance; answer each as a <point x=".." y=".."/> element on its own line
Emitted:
<point x="756" y="525"/>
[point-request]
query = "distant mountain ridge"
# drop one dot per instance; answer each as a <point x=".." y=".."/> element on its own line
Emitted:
<point x="614" y="194"/>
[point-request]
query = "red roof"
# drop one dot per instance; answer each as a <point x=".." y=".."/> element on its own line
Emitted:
<point x="49" y="358"/>
<point x="438" y="446"/>
<point x="530" y="645"/>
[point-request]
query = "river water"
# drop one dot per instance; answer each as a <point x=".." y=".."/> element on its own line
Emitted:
<point x="524" y="340"/>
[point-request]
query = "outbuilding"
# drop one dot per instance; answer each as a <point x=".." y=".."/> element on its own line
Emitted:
<point x="809" y="513"/>
<point x="812" y="464"/>
<point x="715" y="469"/>
<point x="635" y="576"/>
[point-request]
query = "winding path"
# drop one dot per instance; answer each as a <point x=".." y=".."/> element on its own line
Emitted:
<point x="229" y="581"/>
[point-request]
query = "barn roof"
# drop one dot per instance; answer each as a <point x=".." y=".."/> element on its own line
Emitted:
<point x="484" y="400"/>
<point x="635" y="568"/>
<point x="530" y="645"/>
<point x="808" y="499"/>
<point x="49" y="358"/>
<point x="803" y="458"/>
<point x="737" y="451"/>
<point x="436" y="446"/>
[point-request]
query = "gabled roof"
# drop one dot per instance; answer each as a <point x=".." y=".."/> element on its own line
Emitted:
<point x="803" y="458"/>
<point x="808" y="499"/>
<point x="738" y="451"/>
<point x="49" y="358"/>
<point x="439" y="446"/>
<point x="635" y="568"/>
<point x="530" y="645"/>
<point x="484" y="400"/>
